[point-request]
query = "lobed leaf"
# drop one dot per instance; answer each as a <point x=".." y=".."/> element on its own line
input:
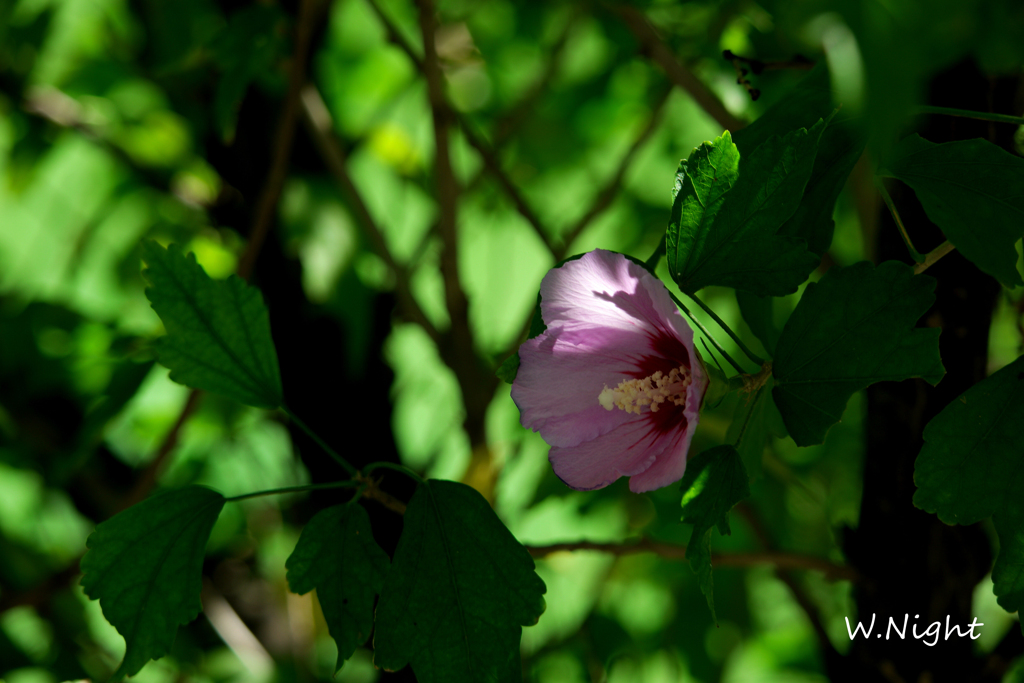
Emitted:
<point x="145" y="567"/>
<point x="218" y="331"/>
<point x="713" y="483"/>
<point x="972" y="190"/>
<point x="853" y="328"/>
<point x="458" y="592"/>
<point x="336" y="555"/>
<point x="727" y="213"/>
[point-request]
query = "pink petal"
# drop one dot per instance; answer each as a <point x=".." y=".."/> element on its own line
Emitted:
<point x="628" y="450"/>
<point x="670" y="464"/>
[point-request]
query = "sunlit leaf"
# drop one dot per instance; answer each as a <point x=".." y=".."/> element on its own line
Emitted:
<point x="218" y="331"/>
<point x="727" y="213"/>
<point x="459" y="591"/>
<point x="337" y="556"/>
<point x="972" y="190"/>
<point x="145" y="567"/>
<point x="853" y="328"/>
<point x="713" y="483"/>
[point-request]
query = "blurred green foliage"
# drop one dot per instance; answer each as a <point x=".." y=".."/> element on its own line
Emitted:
<point x="122" y="121"/>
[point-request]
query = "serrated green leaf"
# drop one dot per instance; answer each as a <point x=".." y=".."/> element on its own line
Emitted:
<point x="972" y="190"/>
<point x="713" y="483"/>
<point x="853" y="328"/>
<point x="218" y="331"/>
<point x="145" y="567"/>
<point x="727" y="212"/>
<point x="459" y="590"/>
<point x="336" y="555"/>
<point x="838" y="150"/>
<point x="970" y="466"/>
<point x="1008" y="571"/>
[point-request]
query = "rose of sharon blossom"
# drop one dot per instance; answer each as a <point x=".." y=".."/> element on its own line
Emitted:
<point x="614" y="384"/>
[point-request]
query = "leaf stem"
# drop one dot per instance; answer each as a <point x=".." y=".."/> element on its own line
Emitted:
<point x="914" y="253"/>
<point x="392" y="466"/>
<point x="721" y="323"/>
<point x="706" y="333"/>
<point x="295" y="489"/>
<point x="932" y="256"/>
<point x="320" y="442"/>
<point x="968" y="114"/>
<point x="651" y="264"/>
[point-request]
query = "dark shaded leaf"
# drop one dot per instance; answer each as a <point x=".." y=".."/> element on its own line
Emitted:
<point x="337" y="556"/>
<point x="727" y="212"/>
<point x="853" y="328"/>
<point x="145" y="567"/>
<point x="459" y="591"/>
<point x="972" y="190"/>
<point x="218" y="331"/>
<point x="759" y="314"/>
<point x="713" y="483"/>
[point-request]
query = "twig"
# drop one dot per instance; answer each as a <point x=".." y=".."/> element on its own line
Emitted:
<point x="147" y="478"/>
<point x="607" y="194"/>
<point x="966" y="113"/>
<point x="932" y="256"/>
<point x="266" y="207"/>
<point x="721" y="323"/>
<point x="796" y="589"/>
<point x="914" y="253"/>
<point x="493" y="165"/>
<point x="672" y="551"/>
<point x="321" y="129"/>
<point x="660" y="53"/>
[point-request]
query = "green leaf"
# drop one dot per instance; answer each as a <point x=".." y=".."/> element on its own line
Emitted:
<point x="509" y="369"/>
<point x="838" y="150"/>
<point x="727" y="213"/>
<point x="459" y="591"/>
<point x="1008" y="571"/>
<point x="971" y="465"/>
<point x="759" y="314"/>
<point x="756" y="418"/>
<point x="713" y="483"/>
<point x="972" y="190"/>
<point x="337" y="556"/>
<point x="853" y="328"/>
<point x="218" y="331"/>
<point x="145" y="566"/>
<point x="970" y="468"/>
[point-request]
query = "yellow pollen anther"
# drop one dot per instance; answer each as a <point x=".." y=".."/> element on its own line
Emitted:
<point x="633" y="394"/>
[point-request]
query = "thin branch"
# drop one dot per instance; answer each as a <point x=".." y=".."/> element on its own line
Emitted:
<point x="345" y="464"/>
<point x="707" y="334"/>
<point x="914" y="253"/>
<point x="321" y="129"/>
<point x="672" y="551"/>
<point x="799" y="594"/>
<point x="932" y="256"/>
<point x="968" y="114"/>
<point x="607" y="194"/>
<point x="147" y="478"/>
<point x="284" y="136"/>
<point x="295" y="489"/>
<point x="721" y="323"/>
<point x="493" y="165"/>
<point x="660" y="53"/>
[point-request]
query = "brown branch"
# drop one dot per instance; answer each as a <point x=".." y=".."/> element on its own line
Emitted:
<point x="493" y="165"/>
<point x="660" y="53"/>
<point x="374" y="492"/>
<point x="672" y="551"/>
<point x="799" y="594"/>
<point x="321" y="129"/>
<point x="284" y="136"/>
<point x="607" y="194"/>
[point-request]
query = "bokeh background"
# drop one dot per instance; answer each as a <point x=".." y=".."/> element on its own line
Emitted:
<point x="304" y="131"/>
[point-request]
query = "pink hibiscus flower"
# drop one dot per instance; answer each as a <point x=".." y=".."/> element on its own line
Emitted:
<point x="614" y="384"/>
